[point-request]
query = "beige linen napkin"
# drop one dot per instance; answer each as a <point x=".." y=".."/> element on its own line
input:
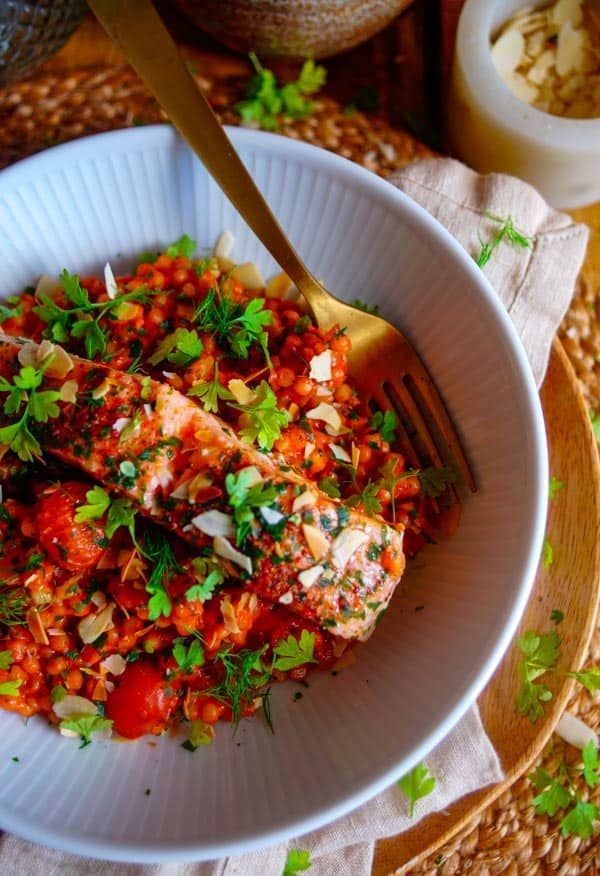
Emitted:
<point x="535" y="285"/>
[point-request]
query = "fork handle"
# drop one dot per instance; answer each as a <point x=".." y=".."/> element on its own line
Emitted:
<point x="139" y="31"/>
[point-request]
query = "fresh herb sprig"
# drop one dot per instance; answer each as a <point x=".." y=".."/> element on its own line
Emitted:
<point x="266" y="419"/>
<point x="265" y="100"/>
<point x="13" y="606"/>
<point x="121" y="512"/>
<point x="559" y="793"/>
<point x="30" y="405"/>
<point x="244" y="674"/>
<point x="297" y="861"/>
<point x="246" y="496"/>
<point x="210" y="392"/>
<point x="235" y="325"/>
<point x="157" y="549"/>
<point x="540" y="654"/>
<point x="85" y="726"/>
<point x="292" y="652"/>
<point x="506" y="233"/>
<point x="181" y="348"/>
<point x="209" y="575"/>
<point x="83" y="319"/>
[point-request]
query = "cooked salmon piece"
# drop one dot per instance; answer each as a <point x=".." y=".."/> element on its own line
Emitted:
<point x="186" y="470"/>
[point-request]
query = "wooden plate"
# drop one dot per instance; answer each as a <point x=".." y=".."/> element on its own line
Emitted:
<point x="571" y="584"/>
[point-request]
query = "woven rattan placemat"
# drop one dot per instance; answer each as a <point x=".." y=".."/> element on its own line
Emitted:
<point x="53" y="108"/>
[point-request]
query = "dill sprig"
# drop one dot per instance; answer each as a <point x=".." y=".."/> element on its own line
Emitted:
<point x="507" y="232"/>
<point x="13" y="605"/>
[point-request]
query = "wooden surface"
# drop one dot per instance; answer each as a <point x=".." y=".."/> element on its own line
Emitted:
<point x="393" y="62"/>
<point x="571" y="585"/>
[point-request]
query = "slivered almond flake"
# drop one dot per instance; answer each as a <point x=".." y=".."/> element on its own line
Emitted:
<point x="49" y="286"/>
<point x="181" y="490"/>
<point x="101" y="390"/>
<point x="224" y="245"/>
<point x="92" y="626"/>
<point x="37" y="354"/>
<point x="320" y="367"/>
<point x="98" y="598"/>
<point x="575" y="732"/>
<point x="346" y="544"/>
<point x="308" y="449"/>
<point x="115" y="664"/>
<point x="134" y="567"/>
<point x="278" y="286"/>
<point x="252" y="474"/>
<point x="71" y="706"/>
<point x="108" y="560"/>
<point x="197" y="483"/>
<point x="310" y="576"/>
<point x="340" y="454"/>
<point x="249" y="276"/>
<point x="68" y="391"/>
<point x="286" y="598"/>
<point x="112" y="290"/>
<point x="215" y="523"/>
<point x="329" y="415"/>
<point x="318" y="543"/>
<point x="307" y="499"/>
<point x="507" y="52"/>
<point x="36" y="628"/>
<point x="271" y="516"/>
<point x="120" y="423"/>
<point x="241" y="393"/>
<point x="224" y="549"/>
<point x="355" y="455"/>
<point x="229" y="619"/>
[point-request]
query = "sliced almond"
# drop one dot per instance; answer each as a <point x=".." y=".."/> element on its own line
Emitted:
<point x="71" y="706"/>
<point x="310" y="576"/>
<point x="112" y="290"/>
<point x="101" y="390"/>
<point x="215" y="523"/>
<point x="229" y="618"/>
<point x="224" y="245"/>
<point x="241" y="393"/>
<point x="307" y="499"/>
<point x="286" y="598"/>
<point x="308" y="450"/>
<point x="507" y="52"/>
<point x="36" y="628"/>
<point x="249" y="276"/>
<point x="98" y="598"/>
<point x="329" y="415"/>
<point x="320" y="367"/>
<point x="94" y="625"/>
<point x="224" y="549"/>
<point x="569" y="49"/>
<point x="48" y="286"/>
<point x="346" y="544"/>
<point x="68" y="391"/>
<point x="115" y="664"/>
<point x="522" y="89"/>
<point x="317" y="541"/>
<point x="339" y="453"/>
<point x="120" y="423"/>
<point x="278" y="286"/>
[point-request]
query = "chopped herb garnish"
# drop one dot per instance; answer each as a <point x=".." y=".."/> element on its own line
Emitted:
<point x="330" y="486"/>
<point x="589" y="678"/>
<point x="185" y="246"/>
<point x="181" y="347"/>
<point x="236" y="325"/>
<point x="157" y="549"/>
<point x="297" y="861"/>
<point x="244" y="674"/>
<point x="212" y="574"/>
<point x="554" y="487"/>
<point x="85" y="726"/>
<point x="385" y="422"/>
<point x="189" y="656"/>
<point x="547" y="554"/>
<point x="10" y="688"/>
<point x="6" y="659"/>
<point x="30" y="405"/>
<point x="367" y="498"/>
<point x="367" y="308"/>
<point x="559" y="793"/>
<point x="246" y="497"/>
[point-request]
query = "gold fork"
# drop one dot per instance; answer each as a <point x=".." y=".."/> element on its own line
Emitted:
<point x="382" y="362"/>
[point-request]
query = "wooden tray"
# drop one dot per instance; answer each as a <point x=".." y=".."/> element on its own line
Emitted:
<point x="571" y="584"/>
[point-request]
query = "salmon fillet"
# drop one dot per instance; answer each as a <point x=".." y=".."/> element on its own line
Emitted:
<point x="142" y="439"/>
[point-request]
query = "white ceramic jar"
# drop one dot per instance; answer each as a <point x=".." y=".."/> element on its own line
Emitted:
<point x="492" y="130"/>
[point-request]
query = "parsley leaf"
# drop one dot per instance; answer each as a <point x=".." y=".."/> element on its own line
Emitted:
<point x="98" y="502"/>
<point x="556" y="616"/>
<point x="590" y="764"/>
<point x="417" y="784"/>
<point x="589" y="678"/>
<point x="181" y="347"/>
<point x="291" y="652"/>
<point x="540" y="654"/>
<point x="157" y="549"/>
<point x="554" y="487"/>
<point x="385" y="423"/>
<point x="10" y="312"/>
<point x="209" y="392"/>
<point x="297" y="861"/>
<point x="6" y="659"/>
<point x="368" y="498"/>
<point x="266" y="420"/>
<point x="184" y="246"/>
<point x="10" y="688"/>
<point x="508" y="233"/>
<point x="265" y="100"/>
<point x="330" y="486"/>
<point x="188" y="657"/>
<point x="580" y="820"/>
<point x="85" y="726"/>
<point x="553" y="796"/>
<point x="213" y="576"/>
<point x="246" y="496"/>
<point x="39" y="406"/>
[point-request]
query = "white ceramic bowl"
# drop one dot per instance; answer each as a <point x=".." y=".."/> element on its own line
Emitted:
<point x="352" y="735"/>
